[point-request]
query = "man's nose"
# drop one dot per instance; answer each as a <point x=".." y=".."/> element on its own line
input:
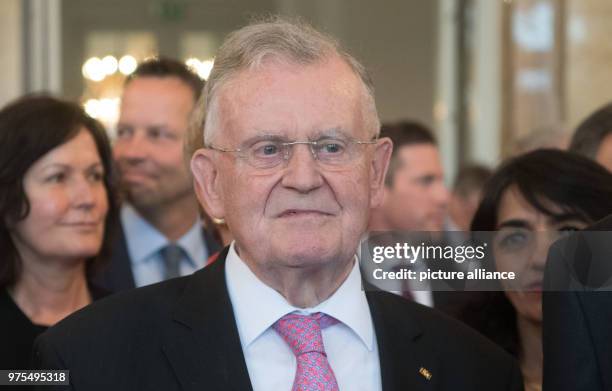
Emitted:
<point x="441" y="194"/>
<point x="302" y="172"/>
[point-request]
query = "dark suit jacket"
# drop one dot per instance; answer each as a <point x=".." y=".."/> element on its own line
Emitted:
<point x="117" y="275"/>
<point x="577" y="329"/>
<point x="181" y="335"/>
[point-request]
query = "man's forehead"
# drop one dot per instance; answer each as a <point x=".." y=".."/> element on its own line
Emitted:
<point x="146" y="84"/>
<point x="419" y="157"/>
<point x="157" y="97"/>
<point x="418" y="151"/>
<point x="291" y="100"/>
<point x="287" y="135"/>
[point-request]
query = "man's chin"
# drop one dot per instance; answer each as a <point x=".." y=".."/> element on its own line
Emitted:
<point x="308" y="252"/>
<point x="142" y="199"/>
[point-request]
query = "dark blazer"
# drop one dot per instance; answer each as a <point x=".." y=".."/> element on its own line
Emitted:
<point x="181" y="335"/>
<point x="117" y="275"/>
<point x="577" y="329"/>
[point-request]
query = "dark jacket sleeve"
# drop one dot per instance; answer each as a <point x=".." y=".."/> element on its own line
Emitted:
<point x="515" y="382"/>
<point x="45" y="356"/>
<point x="569" y="355"/>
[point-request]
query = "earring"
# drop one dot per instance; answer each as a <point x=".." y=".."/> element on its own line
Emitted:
<point x="218" y="221"/>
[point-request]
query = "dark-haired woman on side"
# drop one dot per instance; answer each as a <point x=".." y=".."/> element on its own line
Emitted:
<point x="56" y="200"/>
<point x="530" y="201"/>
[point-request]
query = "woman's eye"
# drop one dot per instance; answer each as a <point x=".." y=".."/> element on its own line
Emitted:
<point x="513" y="241"/>
<point x="96" y="176"/>
<point x="56" y="178"/>
<point x="569" y="228"/>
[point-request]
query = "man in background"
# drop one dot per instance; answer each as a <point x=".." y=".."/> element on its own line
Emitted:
<point x="593" y="137"/>
<point x="465" y="196"/>
<point x="415" y="196"/>
<point x="161" y="235"/>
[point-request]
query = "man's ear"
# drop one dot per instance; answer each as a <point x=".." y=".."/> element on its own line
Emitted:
<point x="207" y="182"/>
<point x="378" y="170"/>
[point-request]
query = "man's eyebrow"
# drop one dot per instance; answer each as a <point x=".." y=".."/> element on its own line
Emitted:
<point x="426" y="177"/>
<point x="513" y="223"/>
<point x="160" y="126"/>
<point x="334" y="132"/>
<point x="264" y="136"/>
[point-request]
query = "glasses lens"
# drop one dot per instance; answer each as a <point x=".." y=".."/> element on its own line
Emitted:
<point x="265" y="154"/>
<point x="328" y="151"/>
<point x="334" y="151"/>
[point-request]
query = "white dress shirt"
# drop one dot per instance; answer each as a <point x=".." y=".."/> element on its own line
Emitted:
<point x="144" y="242"/>
<point x="350" y="345"/>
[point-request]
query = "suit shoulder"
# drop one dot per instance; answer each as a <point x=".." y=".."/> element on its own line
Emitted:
<point x="604" y="224"/>
<point x="121" y="311"/>
<point x="455" y="338"/>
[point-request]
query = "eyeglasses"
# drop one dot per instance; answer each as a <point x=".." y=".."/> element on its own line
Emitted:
<point x="335" y="152"/>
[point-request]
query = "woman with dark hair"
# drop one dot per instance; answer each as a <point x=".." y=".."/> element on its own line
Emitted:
<point x="56" y="206"/>
<point x="529" y="202"/>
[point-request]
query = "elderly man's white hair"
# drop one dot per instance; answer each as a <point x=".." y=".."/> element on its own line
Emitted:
<point x="289" y="40"/>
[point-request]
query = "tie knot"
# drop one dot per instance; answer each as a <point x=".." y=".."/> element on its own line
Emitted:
<point x="303" y="332"/>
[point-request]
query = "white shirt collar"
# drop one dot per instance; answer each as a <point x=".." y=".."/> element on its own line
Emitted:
<point x="257" y="306"/>
<point x="144" y="240"/>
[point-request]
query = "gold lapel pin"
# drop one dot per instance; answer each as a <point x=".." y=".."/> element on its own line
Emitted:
<point x="425" y="373"/>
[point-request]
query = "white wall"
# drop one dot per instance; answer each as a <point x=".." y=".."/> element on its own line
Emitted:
<point x="395" y="39"/>
<point x="486" y="105"/>
<point x="11" y="76"/>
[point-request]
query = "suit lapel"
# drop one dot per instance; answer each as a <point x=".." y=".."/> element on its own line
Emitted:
<point x="405" y="363"/>
<point x="202" y="343"/>
<point x="117" y="275"/>
<point x="596" y="307"/>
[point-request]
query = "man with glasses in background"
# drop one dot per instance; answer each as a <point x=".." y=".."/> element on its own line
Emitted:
<point x="292" y="164"/>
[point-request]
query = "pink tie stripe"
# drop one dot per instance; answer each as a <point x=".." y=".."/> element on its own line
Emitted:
<point x="303" y="334"/>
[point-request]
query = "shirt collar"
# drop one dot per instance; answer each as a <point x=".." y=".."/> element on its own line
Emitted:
<point x="247" y="293"/>
<point x="144" y="240"/>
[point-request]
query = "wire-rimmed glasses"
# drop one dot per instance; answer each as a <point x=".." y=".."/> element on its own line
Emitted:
<point x="330" y="151"/>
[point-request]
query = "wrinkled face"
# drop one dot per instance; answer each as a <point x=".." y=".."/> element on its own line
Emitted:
<point x="68" y="203"/>
<point x="604" y="154"/>
<point x="298" y="214"/>
<point x="521" y="246"/>
<point x="149" y="146"/>
<point x="417" y="199"/>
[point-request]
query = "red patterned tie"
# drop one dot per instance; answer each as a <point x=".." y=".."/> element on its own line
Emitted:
<point x="303" y="334"/>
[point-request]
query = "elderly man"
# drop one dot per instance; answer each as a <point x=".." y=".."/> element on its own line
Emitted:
<point x="292" y="164"/>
